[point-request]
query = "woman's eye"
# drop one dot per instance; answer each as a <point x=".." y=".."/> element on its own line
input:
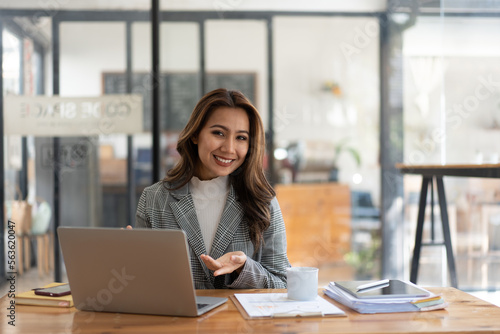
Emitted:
<point x="218" y="133"/>
<point x="242" y="138"/>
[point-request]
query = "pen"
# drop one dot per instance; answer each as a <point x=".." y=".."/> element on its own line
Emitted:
<point x="372" y="284"/>
<point x="304" y="314"/>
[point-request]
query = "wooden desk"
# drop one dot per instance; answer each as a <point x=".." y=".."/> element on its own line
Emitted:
<point x="429" y="174"/>
<point x="465" y="314"/>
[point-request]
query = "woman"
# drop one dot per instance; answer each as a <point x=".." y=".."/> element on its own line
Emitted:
<point x="218" y="194"/>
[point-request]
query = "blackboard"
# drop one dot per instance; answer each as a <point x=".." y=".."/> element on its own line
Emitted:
<point x="179" y="92"/>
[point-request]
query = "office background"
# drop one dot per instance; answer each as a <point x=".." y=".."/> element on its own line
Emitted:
<point x="346" y="90"/>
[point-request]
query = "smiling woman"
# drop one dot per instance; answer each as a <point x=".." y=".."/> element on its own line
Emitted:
<point x="222" y="143"/>
<point x="218" y="194"/>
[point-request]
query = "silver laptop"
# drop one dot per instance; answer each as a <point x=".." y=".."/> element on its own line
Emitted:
<point x="131" y="271"/>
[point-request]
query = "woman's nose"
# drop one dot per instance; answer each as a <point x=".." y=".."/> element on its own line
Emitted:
<point x="228" y="146"/>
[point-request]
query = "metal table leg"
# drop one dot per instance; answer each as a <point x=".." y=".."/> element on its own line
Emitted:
<point x="446" y="231"/>
<point x="420" y="226"/>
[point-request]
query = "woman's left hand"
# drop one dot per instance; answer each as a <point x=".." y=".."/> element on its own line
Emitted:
<point x="226" y="264"/>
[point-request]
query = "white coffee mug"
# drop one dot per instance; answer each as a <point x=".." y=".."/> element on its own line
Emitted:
<point x="302" y="283"/>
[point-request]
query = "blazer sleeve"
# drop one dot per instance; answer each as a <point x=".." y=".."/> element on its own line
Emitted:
<point x="267" y="269"/>
<point x="141" y="217"/>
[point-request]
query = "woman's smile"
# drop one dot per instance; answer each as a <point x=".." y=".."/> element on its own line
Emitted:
<point x="222" y="161"/>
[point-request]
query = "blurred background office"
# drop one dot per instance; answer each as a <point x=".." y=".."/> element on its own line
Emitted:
<point x="346" y="89"/>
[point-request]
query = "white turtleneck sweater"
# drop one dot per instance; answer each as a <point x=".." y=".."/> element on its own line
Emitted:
<point x="209" y="198"/>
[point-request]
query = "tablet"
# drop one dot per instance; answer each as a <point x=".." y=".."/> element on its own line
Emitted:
<point x="391" y="289"/>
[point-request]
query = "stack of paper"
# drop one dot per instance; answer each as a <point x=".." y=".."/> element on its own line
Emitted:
<point x="385" y="305"/>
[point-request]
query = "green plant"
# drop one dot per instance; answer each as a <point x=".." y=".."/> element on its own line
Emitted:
<point x="343" y="146"/>
<point x="366" y="261"/>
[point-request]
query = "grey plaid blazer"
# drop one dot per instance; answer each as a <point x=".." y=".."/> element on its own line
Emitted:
<point x="160" y="208"/>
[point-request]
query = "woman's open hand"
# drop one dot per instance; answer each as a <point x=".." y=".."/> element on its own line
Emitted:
<point x="226" y="264"/>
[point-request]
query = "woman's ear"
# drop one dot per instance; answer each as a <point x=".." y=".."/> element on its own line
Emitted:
<point x="194" y="139"/>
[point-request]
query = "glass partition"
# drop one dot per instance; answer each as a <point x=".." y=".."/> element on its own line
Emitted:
<point x="22" y="70"/>
<point x="12" y="81"/>
<point x="89" y="50"/>
<point x="326" y="130"/>
<point x="236" y="58"/>
<point x="12" y="85"/>
<point x="451" y="108"/>
<point x="92" y="162"/>
<point x="101" y="69"/>
<point x="179" y="86"/>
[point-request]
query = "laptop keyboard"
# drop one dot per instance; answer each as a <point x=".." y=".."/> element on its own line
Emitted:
<point x="201" y="305"/>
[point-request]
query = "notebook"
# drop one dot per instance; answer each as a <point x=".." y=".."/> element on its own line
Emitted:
<point x="131" y="271"/>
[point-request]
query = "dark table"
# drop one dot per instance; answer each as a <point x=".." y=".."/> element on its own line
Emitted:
<point x="435" y="173"/>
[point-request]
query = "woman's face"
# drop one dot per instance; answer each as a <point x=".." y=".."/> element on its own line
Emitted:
<point x="222" y="143"/>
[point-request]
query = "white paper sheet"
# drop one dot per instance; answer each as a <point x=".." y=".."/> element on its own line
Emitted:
<point x="278" y="305"/>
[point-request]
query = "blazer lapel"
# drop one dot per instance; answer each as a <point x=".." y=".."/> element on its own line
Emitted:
<point x="185" y="215"/>
<point x="230" y="220"/>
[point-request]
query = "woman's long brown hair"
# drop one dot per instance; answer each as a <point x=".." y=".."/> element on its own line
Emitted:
<point x="249" y="181"/>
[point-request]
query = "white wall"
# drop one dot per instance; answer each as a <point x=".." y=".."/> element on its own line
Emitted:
<point x="451" y="116"/>
<point x="451" y="36"/>
<point x="179" y="47"/>
<point x="276" y="5"/>
<point x="87" y="50"/>
<point x="236" y="5"/>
